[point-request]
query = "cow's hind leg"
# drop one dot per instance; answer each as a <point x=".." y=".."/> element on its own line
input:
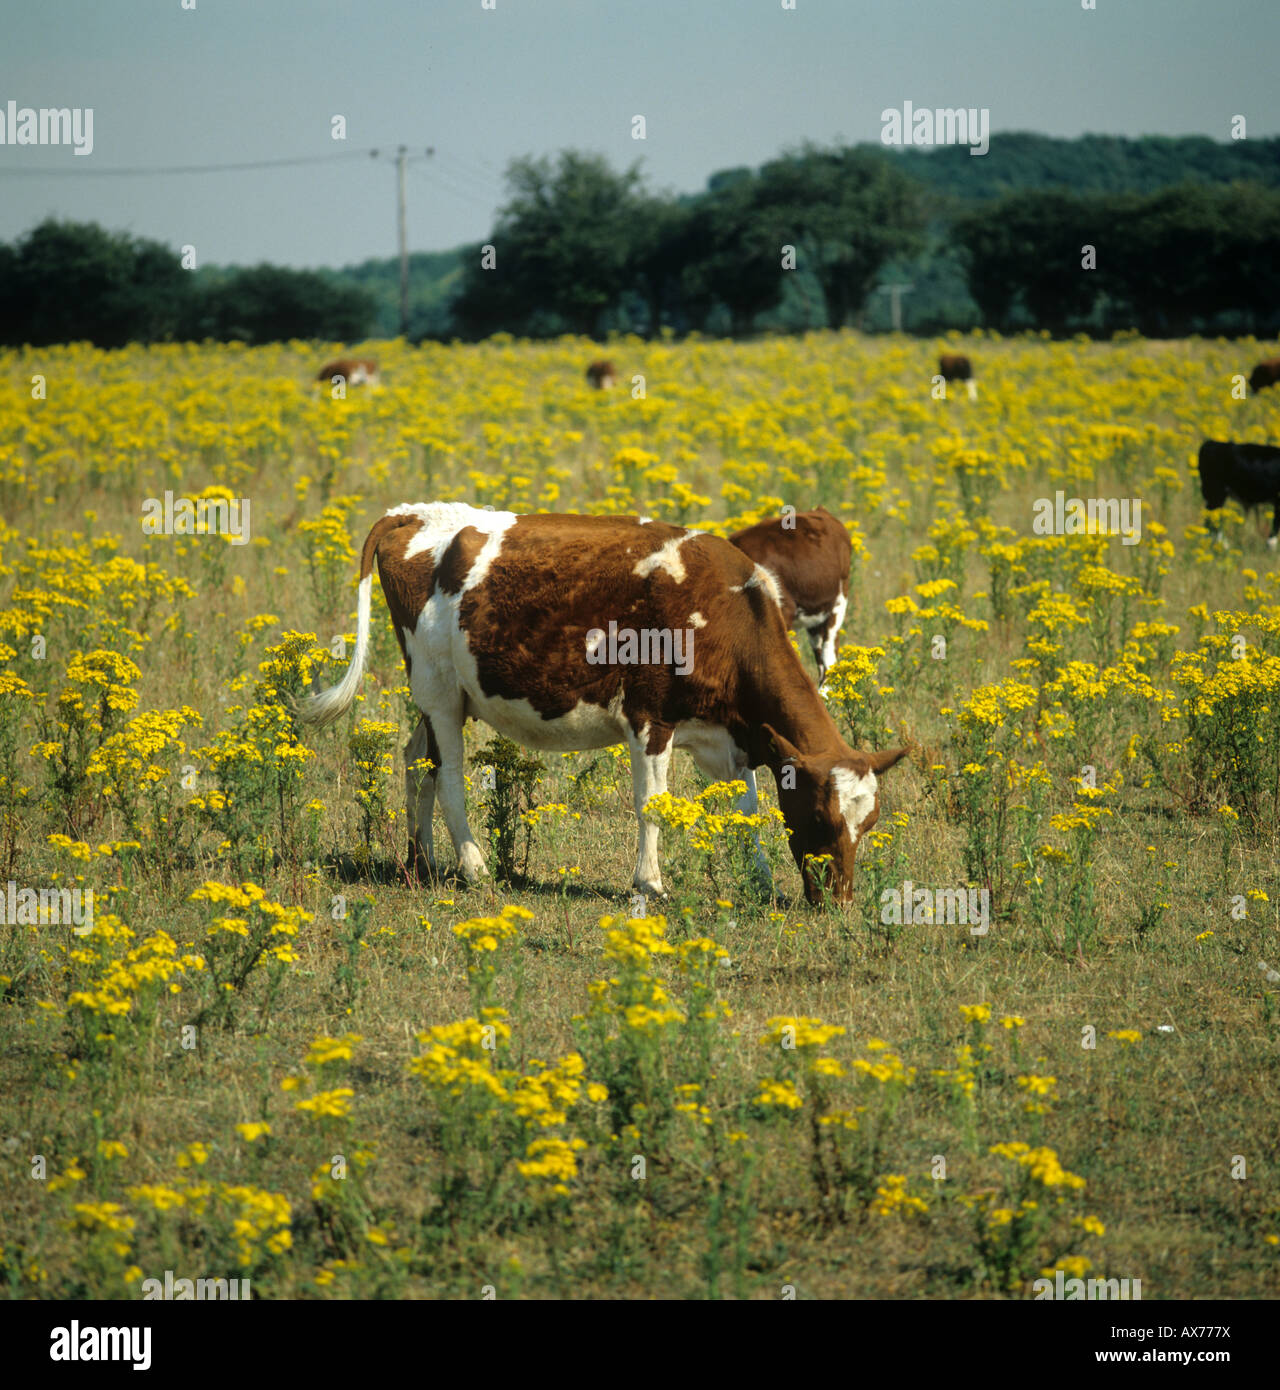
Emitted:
<point x="446" y="726"/>
<point x="824" y="654"/>
<point x="650" y="762"/>
<point x="420" y="796"/>
<point x="1275" y="525"/>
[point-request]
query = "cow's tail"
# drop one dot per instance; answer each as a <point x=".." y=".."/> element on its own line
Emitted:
<point x="324" y="706"/>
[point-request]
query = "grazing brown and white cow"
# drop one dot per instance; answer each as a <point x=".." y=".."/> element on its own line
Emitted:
<point x="601" y="374"/>
<point x="809" y="554"/>
<point x="354" y="371"/>
<point x="955" y="366"/>
<point x="1265" y="374"/>
<point x="526" y="622"/>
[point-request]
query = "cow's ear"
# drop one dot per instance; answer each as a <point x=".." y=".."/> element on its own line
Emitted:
<point x="883" y="761"/>
<point x="779" y="749"/>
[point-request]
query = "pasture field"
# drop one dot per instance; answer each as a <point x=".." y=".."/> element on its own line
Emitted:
<point x="275" y="1058"/>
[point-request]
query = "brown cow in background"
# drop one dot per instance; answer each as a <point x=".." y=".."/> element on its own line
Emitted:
<point x="601" y="374"/>
<point x="955" y="366"/>
<point x="810" y="560"/>
<point x="354" y="371"/>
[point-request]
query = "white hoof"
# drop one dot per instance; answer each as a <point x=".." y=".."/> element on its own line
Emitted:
<point x="471" y="863"/>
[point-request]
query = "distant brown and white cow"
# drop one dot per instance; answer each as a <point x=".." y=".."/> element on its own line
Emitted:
<point x="1265" y="374"/>
<point x="601" y="374"/>
<point x="521" y="621"/>
<point x="809" y="554"/>
<point x="955" y="366"/>
<point x="354" y="371"/>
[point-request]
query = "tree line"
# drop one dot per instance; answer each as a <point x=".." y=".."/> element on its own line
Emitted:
<point x="1165" y="236"/>
<point x="76" y="281"/>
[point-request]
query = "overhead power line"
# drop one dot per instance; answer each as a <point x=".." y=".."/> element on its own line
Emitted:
<point x="458" y="191"/>
<point x="470" y="181"/>
<point x="469" y="173"/>
<point x="80" y="172"/>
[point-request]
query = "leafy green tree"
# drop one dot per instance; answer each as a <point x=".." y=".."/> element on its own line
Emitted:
<point x="563" y="248"/>
<point x="1179" y="258"/>
<point x="1022" y="161"/>
<point x="848" y="212"/>
<point x="67" y="281"/>
<point x="735" y="240"/>
<point x="1026" y="250"/>
<point x="664" y="242"/>
<point x="268" y="303"/>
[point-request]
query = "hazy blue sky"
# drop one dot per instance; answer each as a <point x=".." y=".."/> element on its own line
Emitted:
<point x="720" y="82"/>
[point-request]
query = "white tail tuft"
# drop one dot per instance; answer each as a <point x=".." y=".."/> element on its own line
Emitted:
<point x="325" y="707"/>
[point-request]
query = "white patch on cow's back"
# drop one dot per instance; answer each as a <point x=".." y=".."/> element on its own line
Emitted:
<point x="697" y="620"/>
<point x="441" y="522"/>
<point x="666" y="557"/>
<point x="857" y="797"/>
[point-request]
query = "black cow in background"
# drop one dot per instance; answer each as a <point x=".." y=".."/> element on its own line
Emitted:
<point x="1248" y="472"/>
<point x="1265" y="374"/>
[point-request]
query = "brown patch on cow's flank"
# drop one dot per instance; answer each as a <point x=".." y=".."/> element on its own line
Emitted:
<point x="458" y="558"/>
<point x="537" y="651"/>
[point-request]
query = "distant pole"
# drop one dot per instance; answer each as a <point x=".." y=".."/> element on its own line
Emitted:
<point x="895" y="293"/>
<point x="404" y="244"/>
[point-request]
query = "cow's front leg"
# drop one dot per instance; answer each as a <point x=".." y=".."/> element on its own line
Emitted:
<point x="420" y="796"/>
<point x="1275" y="526"/>
<point x="451" y="787"/>
<point x="650" y="760"/>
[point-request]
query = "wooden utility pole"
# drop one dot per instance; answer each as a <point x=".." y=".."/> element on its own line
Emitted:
<point x="895" y="293"/>
<point x="404" y="243"/>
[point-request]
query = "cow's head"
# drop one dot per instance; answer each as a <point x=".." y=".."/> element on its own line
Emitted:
<point x="829" y="804"/>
